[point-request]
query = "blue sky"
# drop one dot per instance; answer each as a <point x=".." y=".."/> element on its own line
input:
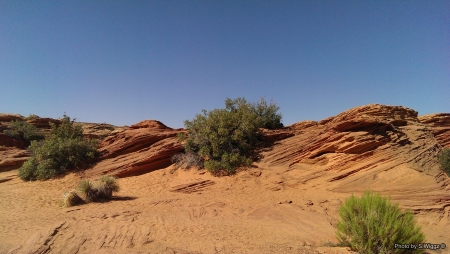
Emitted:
<point x="121" y="62"/>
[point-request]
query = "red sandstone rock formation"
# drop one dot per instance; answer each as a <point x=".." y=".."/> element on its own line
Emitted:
<point x="373" y="147"/>
<point x="440" y="126"/>
<point x="142" y="148"/>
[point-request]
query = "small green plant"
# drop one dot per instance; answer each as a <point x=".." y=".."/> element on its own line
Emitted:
<point x="87" y="188"/>
<point x="444" y="160"/>
<point x="371" y="224"/>
<point x="225" y="138"/>
<point x="23" y="130"/>
<point x="62" y="150"/>
<point x="70" y="198"/>
<point x="106" y="186"/>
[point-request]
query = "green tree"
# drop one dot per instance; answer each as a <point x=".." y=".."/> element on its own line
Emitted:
<point x="226" y="137"/>
<point x="444" y="160"/>
<point x="62" y="150"/>
<point x="371" y="224"/>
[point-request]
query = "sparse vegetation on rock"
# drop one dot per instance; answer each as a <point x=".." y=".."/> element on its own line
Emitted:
<point x="444" y="160"/>
<point x="31" y="117"/>
<point x="62" y="150"/>
<point x="225" y="138"/>
<point x="371" y="224"/>
<point x="23" y="130"/>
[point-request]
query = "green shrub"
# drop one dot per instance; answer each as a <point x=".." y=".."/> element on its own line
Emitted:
<point x="62" y="150"/>
<point x="226" y="137"/>
<point x="67" y="129"/>
<point x="14" y="134"/>
<point x="23" y="130"/>
<point x="371" y="224"/>
<point x="444" y="160"/>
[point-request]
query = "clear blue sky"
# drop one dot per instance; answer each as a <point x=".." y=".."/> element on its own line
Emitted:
<point x="121" y="62"/>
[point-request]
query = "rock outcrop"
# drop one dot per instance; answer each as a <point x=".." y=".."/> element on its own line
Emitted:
<point x="439" y="125"/>
<point x="43" y="123"/>
<point x="100" y="130"/>
<point x="382" y="148"/>
<point x="10" y="117"/>
<point x="12" y="158"/>
<point x="142" y="148"/>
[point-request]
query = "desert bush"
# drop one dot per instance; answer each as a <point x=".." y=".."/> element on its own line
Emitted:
<point x="101" y="189"/>
<point x="87" y="188"/>
<point x="371" y="224"/>
<point x="68" y="129"/>
<point x="62" y="150"/>
<point x="444" y="160"/>
<point x="31" y="117"/>
<point x="226" y="137"/>
<point x="70" y="198"/>
<point x="106" y="186"/>
<point x="187" y="160"/>
<point x="23" y="130"/>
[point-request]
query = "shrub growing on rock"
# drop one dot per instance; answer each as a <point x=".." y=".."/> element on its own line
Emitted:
<point x="23" y="130"/>
<point x="371" y="224"/>
<point x="226" y="137"/>
<point x="62" y="150"/>
<point x="444" y="160"/>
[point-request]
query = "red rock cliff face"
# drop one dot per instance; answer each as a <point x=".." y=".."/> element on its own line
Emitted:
<point x="142" y="148"/>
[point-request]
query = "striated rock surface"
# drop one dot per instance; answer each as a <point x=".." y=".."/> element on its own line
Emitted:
<point x="439" y="125"/>
<point x="142" y="148"/>
<point x="12" y="158"/>
<point x="381" y="148"/>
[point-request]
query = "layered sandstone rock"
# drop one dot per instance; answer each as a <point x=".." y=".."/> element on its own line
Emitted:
<point x="439" y="125"/>
<point x="43" y="123"/>
<point x="12" y="158"/>
<point x="377" y="147"/>
<point x="10" y="117"/>
<point x="100" y="130"/>
<point x="142" y="148"/>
